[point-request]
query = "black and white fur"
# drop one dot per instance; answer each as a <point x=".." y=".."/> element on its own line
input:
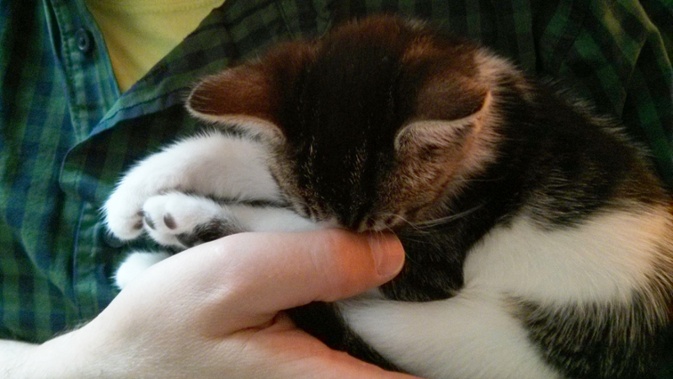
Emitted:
<point x="538" y="242"/>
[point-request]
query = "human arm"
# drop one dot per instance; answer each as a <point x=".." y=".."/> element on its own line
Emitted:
<point x="215" y="310"/>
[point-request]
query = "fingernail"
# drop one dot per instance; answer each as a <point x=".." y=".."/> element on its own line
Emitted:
<point x="388" y="254"/>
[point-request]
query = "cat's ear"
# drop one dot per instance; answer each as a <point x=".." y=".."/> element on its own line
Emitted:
<point x="243" y="97"/>
<point x="454" y="95"/>
<point x="248" y="97"/>
<point x="447" y="116"/>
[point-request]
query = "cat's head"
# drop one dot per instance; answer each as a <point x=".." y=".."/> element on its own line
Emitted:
<point x="373" y="125"/>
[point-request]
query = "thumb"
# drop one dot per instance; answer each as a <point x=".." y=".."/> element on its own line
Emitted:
<point x="341" y="264"/>
<point x="286" y="270"/>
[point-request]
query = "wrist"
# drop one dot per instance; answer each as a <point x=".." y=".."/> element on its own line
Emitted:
<point x="66" y="356"/>
<point x="60" y="357"/>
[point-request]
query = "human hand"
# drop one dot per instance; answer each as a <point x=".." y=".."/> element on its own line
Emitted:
<point x="216" y="310"/>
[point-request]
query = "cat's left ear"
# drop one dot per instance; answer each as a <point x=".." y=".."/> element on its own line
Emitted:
<point x="248" y="97"/>
<point x="240" y="97"/>
<point x="447" y="116"/>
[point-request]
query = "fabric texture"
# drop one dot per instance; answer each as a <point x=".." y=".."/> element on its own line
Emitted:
<point x="139" y="33"/>
<point x="67" y="132"/>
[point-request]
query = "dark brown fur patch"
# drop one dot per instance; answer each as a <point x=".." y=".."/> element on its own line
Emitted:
<point x="353" y="95"/>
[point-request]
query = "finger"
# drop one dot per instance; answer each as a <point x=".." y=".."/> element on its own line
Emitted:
<point x="266" y="273"/>
<point x="289" y="270"/>
<point x="299" y="355"/>
<point x="343" y="365"/>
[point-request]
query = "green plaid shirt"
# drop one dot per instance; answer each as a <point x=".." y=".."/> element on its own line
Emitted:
<point x="67" y="133"/>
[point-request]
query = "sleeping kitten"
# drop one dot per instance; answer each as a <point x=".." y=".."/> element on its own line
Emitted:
<point x="539" y="244"/>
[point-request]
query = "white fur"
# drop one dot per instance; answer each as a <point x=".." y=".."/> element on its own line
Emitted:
<point x="468" y="336"/>
<point x="135" y="265"/>
<point x="189" y="211"/>
<point x="474" y="335"/>
<point x="212" y="164"/>
<point x="603" y="259"/>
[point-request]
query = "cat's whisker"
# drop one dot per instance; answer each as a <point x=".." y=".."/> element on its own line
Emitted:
<point x="398" y="219"/>
<point x="447" y="219"/>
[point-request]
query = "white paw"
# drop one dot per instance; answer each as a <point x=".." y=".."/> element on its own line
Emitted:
<point x="124" y="208"/>
<point x="209" y="164"/>
<point x="134" y="265"/>
<point x="123" y="215"/>
<point x="178" y="219"/>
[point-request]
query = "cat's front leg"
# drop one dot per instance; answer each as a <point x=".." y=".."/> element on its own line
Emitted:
<point x="212" y="164"/>
<point x="183" y="220"/>
<point x="179" y="220"/>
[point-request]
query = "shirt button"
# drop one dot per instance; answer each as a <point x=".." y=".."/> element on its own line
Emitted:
<point x="84" y="40"/>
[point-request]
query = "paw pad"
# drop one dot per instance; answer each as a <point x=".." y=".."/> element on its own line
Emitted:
<point x="209" y="231"/>
<point x="169" y="221"/>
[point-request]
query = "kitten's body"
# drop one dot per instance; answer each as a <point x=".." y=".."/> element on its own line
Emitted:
<point x="538" y="243"/>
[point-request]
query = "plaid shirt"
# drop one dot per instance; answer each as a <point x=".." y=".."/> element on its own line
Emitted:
<point x="67" y="133"/>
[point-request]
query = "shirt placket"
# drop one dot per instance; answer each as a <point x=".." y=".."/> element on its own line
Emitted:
<point x="91" y="91"/>
<point x="90" y="81"/>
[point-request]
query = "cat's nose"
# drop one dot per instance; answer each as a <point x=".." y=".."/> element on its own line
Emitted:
<point x="353" y="212"/>
<point x="357" y="222"/>
<point x="367" y="225"/>
<point x="349" y="220"/>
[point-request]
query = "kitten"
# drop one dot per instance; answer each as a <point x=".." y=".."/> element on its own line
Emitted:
<point x="538" y="242"/>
